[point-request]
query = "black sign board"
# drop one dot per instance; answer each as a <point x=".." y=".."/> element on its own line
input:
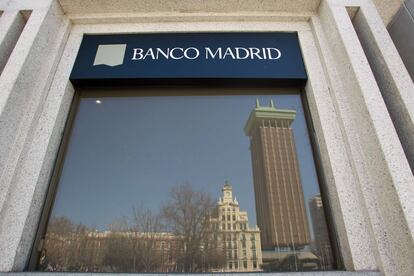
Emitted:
<point x="189" y="56"/>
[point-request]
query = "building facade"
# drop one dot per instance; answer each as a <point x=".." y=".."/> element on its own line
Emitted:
<point x="358" y="93"/>
<point x="279" y="200"/>
<point x="231" y="245"/>
<point x="109" y="251"/>
<point x="322" y="246"/>
<point x="240" y="243"/>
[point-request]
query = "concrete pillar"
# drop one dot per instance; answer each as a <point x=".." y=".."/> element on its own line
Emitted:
<point x="345" y="200"/>
<point x="385" y="179"/>
<point x="24" y="84"/>
<point x="11" y="26"/>
<point x="393" y="79"/>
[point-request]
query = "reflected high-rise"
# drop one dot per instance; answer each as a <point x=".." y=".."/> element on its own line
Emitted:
<point x="280" y="207"/>
<point x="322" y="245"/>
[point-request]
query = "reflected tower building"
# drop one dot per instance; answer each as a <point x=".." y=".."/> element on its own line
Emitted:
<point x="280" y="207"/>
<point x="322" y="244"/>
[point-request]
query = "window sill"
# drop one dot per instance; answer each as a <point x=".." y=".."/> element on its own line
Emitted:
<point x="315" y="273"/>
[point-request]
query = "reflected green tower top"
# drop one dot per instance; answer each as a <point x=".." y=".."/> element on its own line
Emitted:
<point x="260" y="113"/>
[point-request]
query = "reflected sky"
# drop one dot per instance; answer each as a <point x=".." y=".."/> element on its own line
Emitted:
<point x="130" y="151"/>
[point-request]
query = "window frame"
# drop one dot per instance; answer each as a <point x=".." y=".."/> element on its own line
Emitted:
<point x="276" y="90"/>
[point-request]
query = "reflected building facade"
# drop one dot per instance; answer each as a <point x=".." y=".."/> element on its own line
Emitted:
<point x="280" y="207"/>
<point x="87" y="250"/>
<point x="227" y="244"/>
<point x="240" y="243"/>
<point x="322" y="246"/>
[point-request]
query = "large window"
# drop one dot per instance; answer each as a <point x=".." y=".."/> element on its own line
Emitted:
<point x="185" y="181"/>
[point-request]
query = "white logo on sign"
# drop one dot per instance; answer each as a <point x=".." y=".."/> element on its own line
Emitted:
<point x="110" y="54"/>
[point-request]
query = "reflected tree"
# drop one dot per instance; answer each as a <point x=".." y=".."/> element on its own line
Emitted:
<point x="178" y="239"/>
<point x="149" y="228"/>
<point x="119" y="253"/>
<point x="187" y="216"/>
<point x="133" y="246"/>
<point x="70" y="247"/>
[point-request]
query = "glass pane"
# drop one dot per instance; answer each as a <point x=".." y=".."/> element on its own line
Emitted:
<point x="187" y="184"/>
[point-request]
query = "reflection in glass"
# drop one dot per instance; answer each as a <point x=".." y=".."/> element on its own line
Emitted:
<point x="141" y="188"/>
<point x="279" y="198"/>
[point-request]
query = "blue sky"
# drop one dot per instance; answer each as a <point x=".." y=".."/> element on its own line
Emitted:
<point x="129" y="151"/>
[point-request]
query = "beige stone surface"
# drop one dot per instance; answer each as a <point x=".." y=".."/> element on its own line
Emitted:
<point x="11" y="26"/>
<point x="385" y="181"/>
<point x="25" y="4"/>
<point x="24" y="85"/>
<point x="388" y="8"/>
<point x="391" y="75"/>
<point x="369" y="183"/>
<point x="186" y="6"/>
<point x="345" y="199"/>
